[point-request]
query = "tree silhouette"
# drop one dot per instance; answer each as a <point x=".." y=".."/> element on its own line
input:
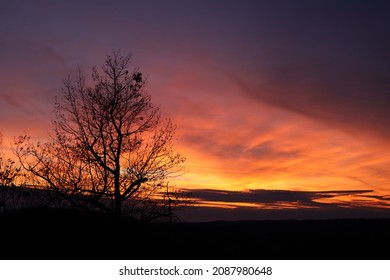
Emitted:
<point x="111" y="150"/>
<point x="10" y="173"/>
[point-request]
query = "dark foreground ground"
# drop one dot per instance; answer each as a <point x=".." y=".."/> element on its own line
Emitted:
<point x="59" y="234"/>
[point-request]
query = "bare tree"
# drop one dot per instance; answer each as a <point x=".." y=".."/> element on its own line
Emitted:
<point x="112" y="149"/>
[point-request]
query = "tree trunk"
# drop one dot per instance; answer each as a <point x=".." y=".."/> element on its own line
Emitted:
<point x="118" y="205"/>
<point x="118" y="197"/>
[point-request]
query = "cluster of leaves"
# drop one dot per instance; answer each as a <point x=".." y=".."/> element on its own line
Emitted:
<point x="9" y="171"/>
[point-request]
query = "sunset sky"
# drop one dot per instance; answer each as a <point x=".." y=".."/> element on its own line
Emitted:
<point x="282" y="107"/>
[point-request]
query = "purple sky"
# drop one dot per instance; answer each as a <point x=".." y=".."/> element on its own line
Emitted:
<point x="267" y="95"/>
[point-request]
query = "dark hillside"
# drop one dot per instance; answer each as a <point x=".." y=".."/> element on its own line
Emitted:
<point x="69" y="234"/>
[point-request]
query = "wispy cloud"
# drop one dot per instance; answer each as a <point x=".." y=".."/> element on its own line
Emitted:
<point x="259" y="204"/>
<point x="269" y="198"/>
